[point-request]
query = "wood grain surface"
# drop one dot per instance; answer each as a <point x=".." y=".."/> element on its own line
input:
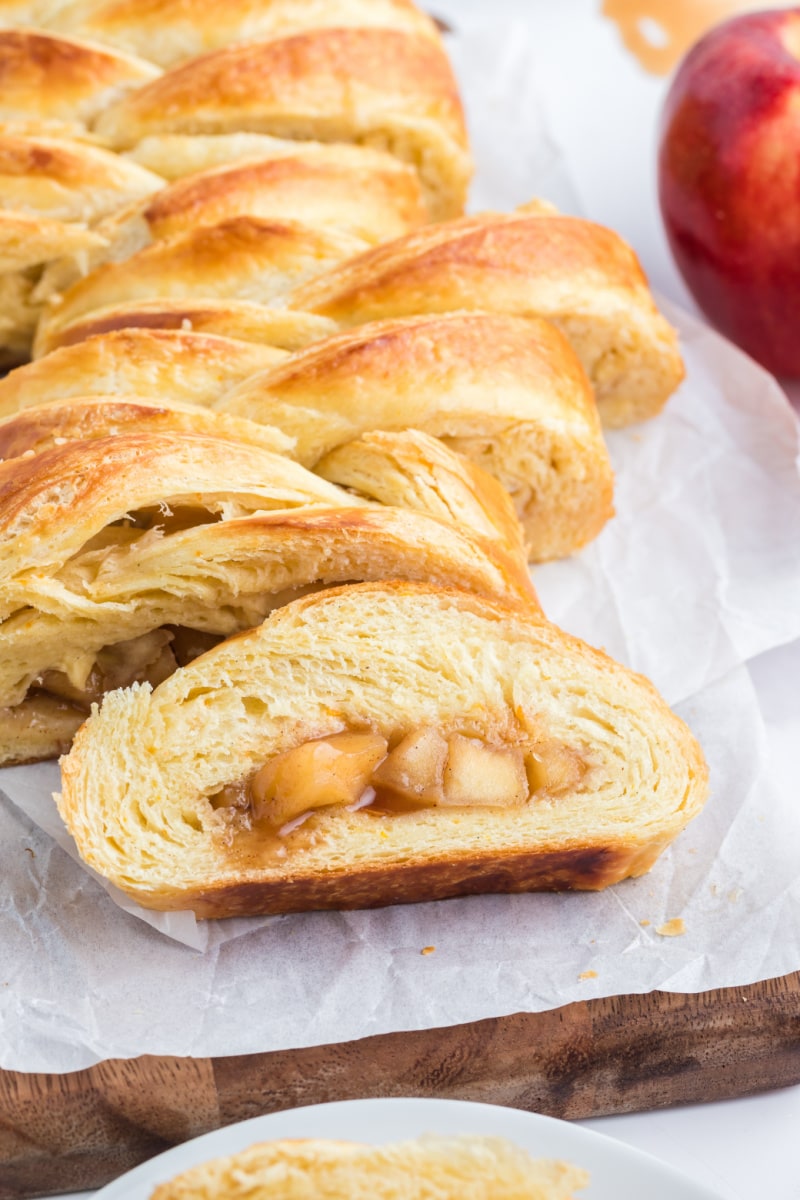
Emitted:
<point x="623" y="1054"/>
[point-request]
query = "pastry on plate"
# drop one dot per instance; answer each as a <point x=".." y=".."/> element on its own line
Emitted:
<point x="581" y="276"/>
<point x="428" y="1168"/>
<point x="377" y="744"/>
<point x="133" y="536"/>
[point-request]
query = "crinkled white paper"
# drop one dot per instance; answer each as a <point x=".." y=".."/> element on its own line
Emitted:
<point x="699" y="571"/>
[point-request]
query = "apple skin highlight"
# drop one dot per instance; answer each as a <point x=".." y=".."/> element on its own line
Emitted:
<point x="729" y="182"/>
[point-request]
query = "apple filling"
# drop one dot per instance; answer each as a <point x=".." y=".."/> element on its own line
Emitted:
<point x="150" y="658"/>
<point x="425" y="769"/>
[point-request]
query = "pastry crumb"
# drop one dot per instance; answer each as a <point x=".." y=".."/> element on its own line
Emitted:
<point x="644" y="921"/>
<point x="673" y="928"/>
<point x="588" y="975"/>
<point x="734" y="894"/>
<point x="427" y="950"/>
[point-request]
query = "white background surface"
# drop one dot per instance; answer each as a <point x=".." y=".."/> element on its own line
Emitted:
<point x="748" y="1148"/>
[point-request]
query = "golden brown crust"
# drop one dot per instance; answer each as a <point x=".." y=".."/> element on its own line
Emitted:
<point x="506" y="392"/>
<point x="62" y="83"/>
<point x="471" y="874"/>
<point x="243" y="258"/>
<point x="240" y="319"/>
<point x="347" y="189"/>
<point x="78" y="418"/>
<point x="360" y="191"/>
<point x="579" y="275"/>
<point x="158" y="363"/>
<point x="159" y="30"/>
<point x="67" y="180"/>
<point x="383" y="87"/>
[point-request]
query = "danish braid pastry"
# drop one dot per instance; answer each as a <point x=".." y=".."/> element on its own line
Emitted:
<point x="580" y="276"/>
<point x="245" y="320"/>
<point x="51" y="190"/>
<point x="154" y="534"/>
<point x="378" y="744"/>
<point x="430" y="1168"/>
<point x="506" y="392"/>
<point x="348" y="188"/>
<point x="382" y="87"/>
<point x="160" y="31"/>
<point x="248" y="258"/>
<point x="172" y="364"/>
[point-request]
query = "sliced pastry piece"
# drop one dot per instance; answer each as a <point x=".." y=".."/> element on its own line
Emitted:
<point x="429" y="1168"/>
<point x="582" y="277"/>
<point x="506" y="392"/>
<point x="242" y="319"/>
<point x="61" y="84"/>
<point x="159" y="363"/>
<point x="125" y="553"/>
<point x="378" y="744"/>
<point x="167" y="31"/>
<point x="352" y="189"/>
<point x="382" y="87"/>
<point x="248" y="258"/>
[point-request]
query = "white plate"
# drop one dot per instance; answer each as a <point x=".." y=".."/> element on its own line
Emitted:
<point x="617" y="1171"/>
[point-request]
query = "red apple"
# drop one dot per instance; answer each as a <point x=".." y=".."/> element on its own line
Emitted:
<point x="729" y="181"/>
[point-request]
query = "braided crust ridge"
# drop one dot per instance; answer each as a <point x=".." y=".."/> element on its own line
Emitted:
<point x="164" y="32"/>
<point x="580" y="276"/>
<point x="384" y="88"/>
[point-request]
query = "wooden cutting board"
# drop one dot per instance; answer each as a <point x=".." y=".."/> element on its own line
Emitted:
<point x="623" y="1054"/>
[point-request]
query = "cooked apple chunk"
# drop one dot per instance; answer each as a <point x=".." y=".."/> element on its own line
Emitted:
<point x="415" y="768"/>
<point x="478" y="774"/>
<point x="317" y="774"/>
<point x="553" y="768"/>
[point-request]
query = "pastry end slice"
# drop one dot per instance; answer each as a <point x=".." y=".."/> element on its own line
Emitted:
<point x="427" y="1168"/>
<point x="379" y="744"/>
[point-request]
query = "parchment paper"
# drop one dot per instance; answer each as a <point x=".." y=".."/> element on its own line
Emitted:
<point x="699" y="571"/>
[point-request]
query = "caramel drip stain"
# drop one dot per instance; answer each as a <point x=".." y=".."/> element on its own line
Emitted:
<point x="659" y="32"/>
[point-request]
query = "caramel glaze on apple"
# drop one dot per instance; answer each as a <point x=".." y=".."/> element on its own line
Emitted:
<point x="729" y="182"/>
